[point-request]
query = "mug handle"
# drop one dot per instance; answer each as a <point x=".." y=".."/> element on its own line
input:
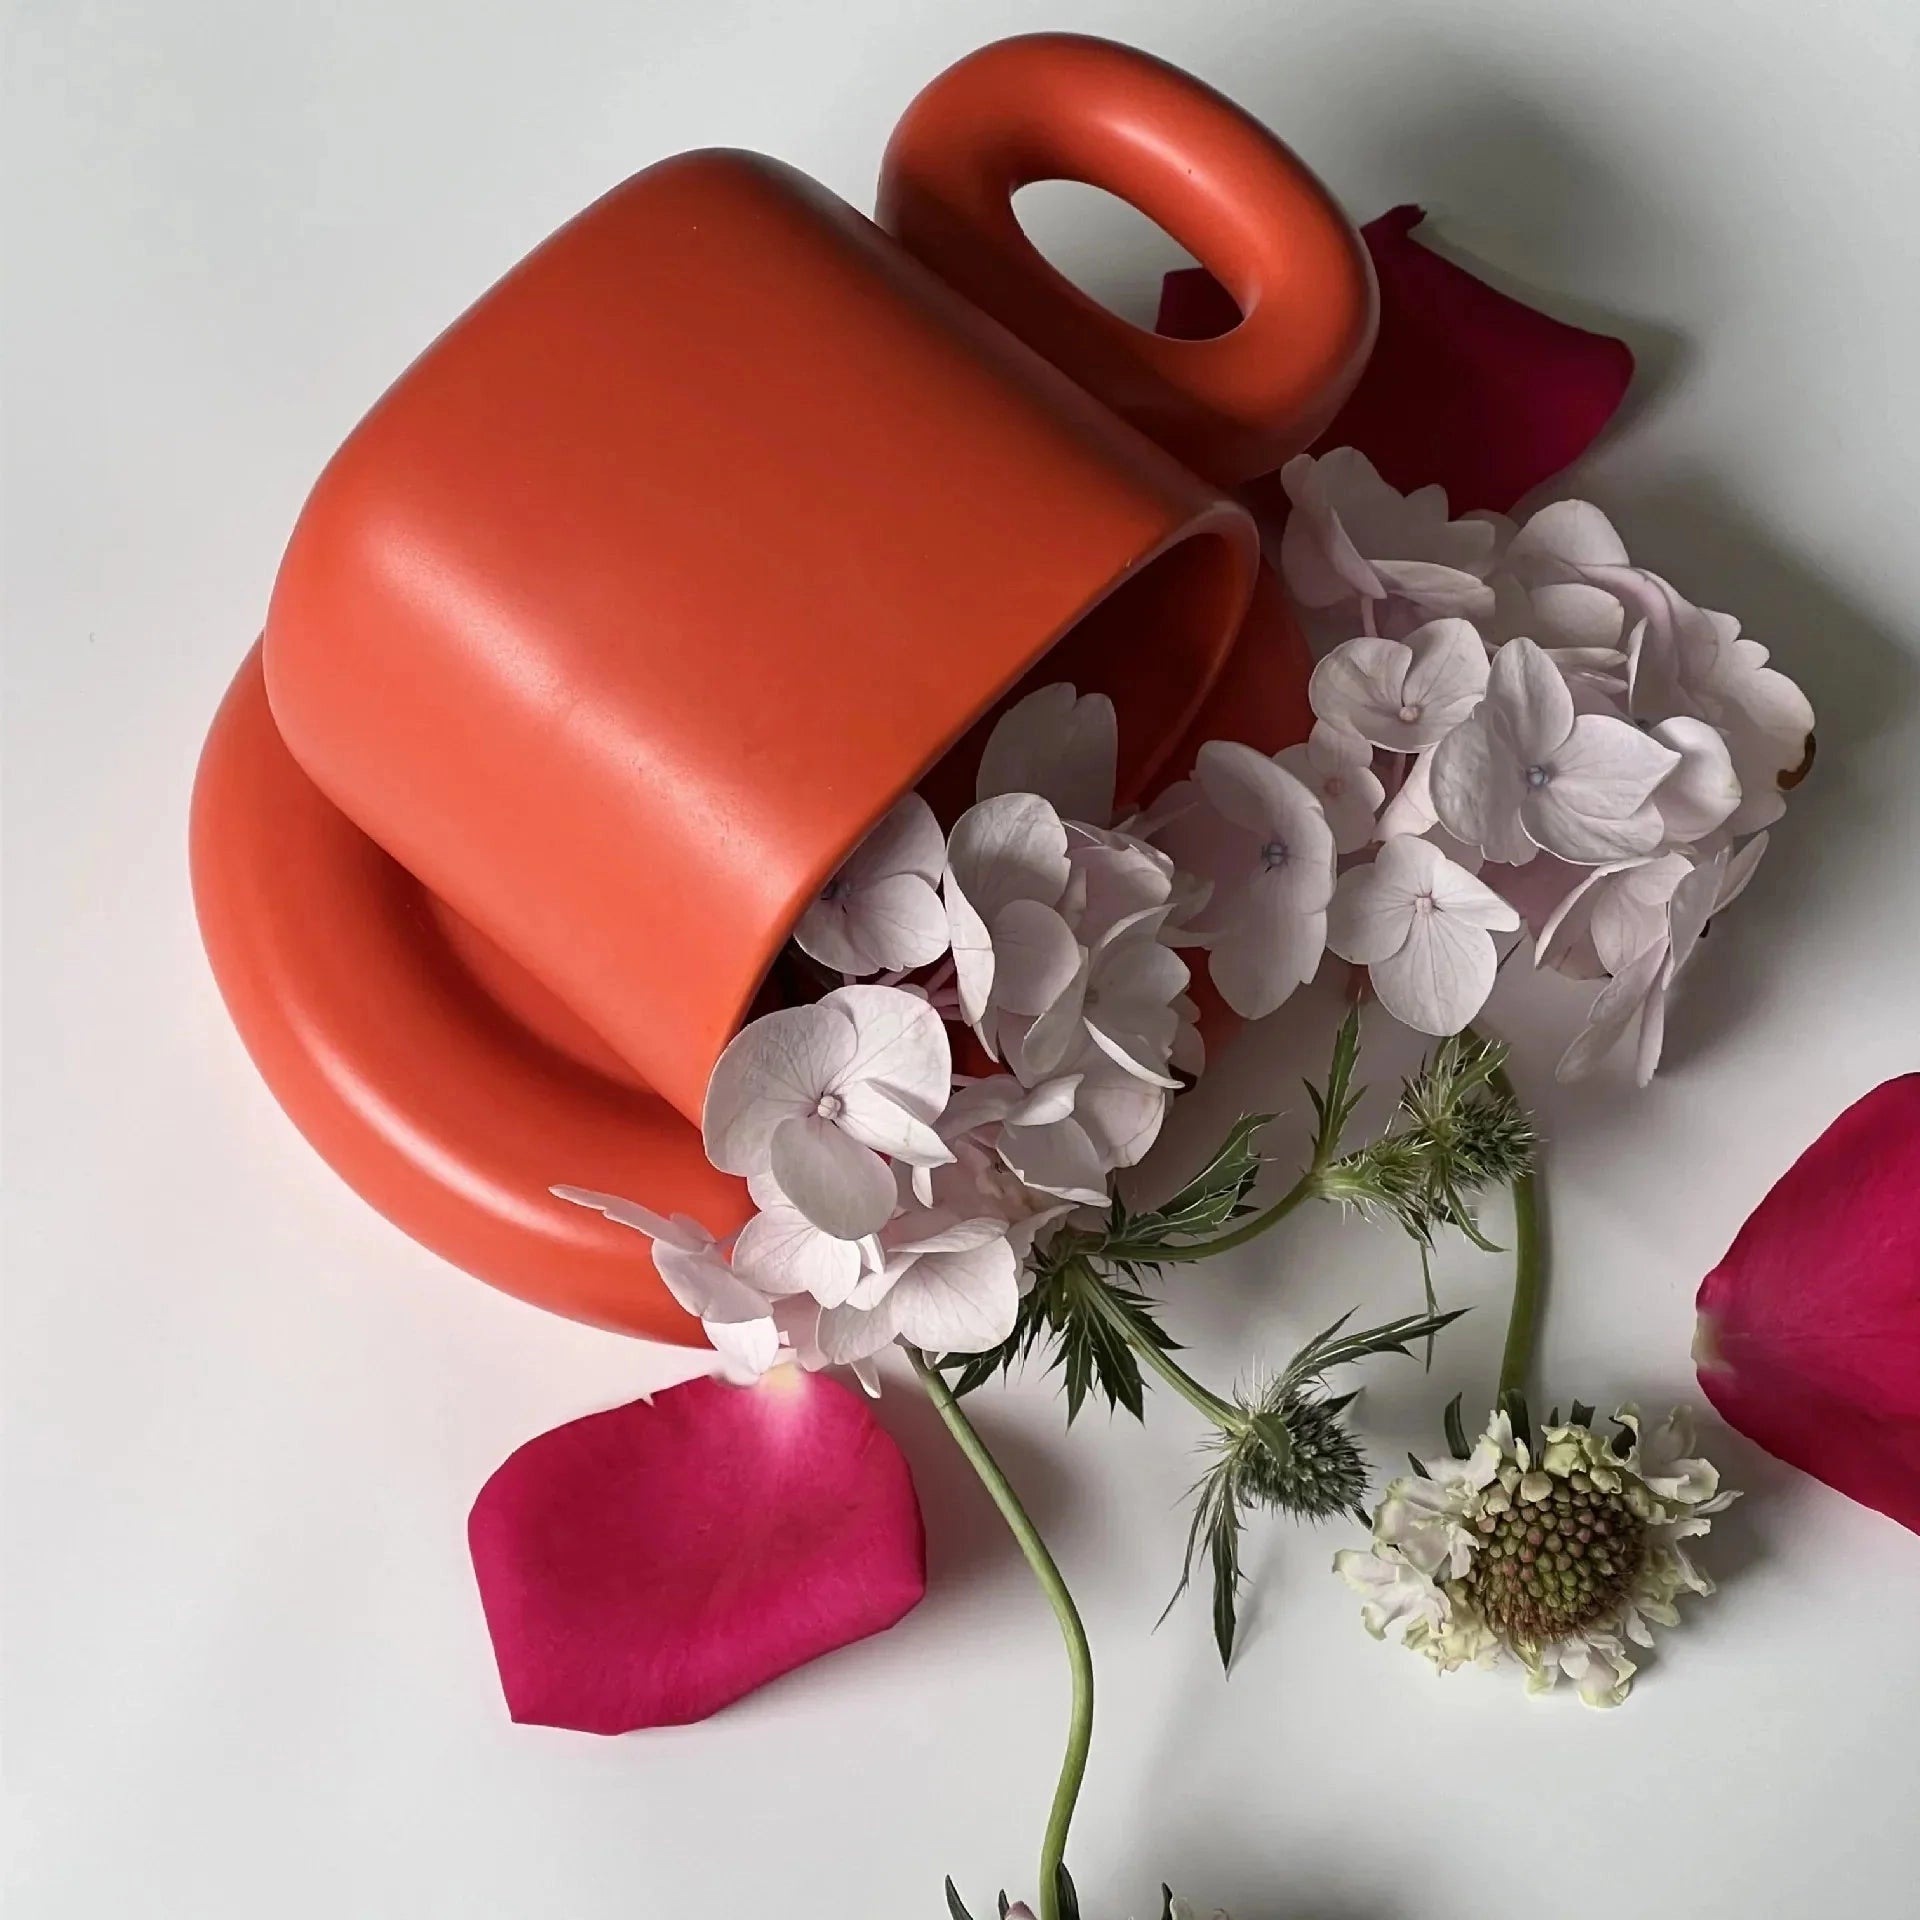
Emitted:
<point x="1059" y="106"/>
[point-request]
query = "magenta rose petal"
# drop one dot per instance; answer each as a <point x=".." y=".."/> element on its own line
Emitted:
<point x="1195" y="306"/>
<point x="1467" y="387"/>
<point x="647" y="1566"/>
<point x="1809" y="1330"/>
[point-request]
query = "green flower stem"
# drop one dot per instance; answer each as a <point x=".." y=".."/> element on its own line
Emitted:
<point x="1073" y="1767"/>
<point x="1304" y="1188"/>
<point x="1203" y="1400"/>
<point x="1529" y="1268"/>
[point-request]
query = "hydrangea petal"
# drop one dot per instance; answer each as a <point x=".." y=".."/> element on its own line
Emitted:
<point x="1528" y="702"/>
<point x="1631" y="911"/>
<point x="677" y="1231"/>
<point x="1607" y="769"/>
<point x="1739" y="871"/>
<point x="1118" y="880"/>
<point x="871" y="1115"/>
<point x="1770" y="725"/>
<point x="972" y="946"/>
<point x="1042" y="1050"/>
<point x="1235" y="780"/>
<point x="1809" y="1329"/>
<point x="1012" y="847"/>
<point x="706" y="1286"/>
<point x="1464" y="897"/>
<point x="1448" y="675"/>
<point x="845" y="1189"/>
<point x="898" y="922"/>
<point x="1358" y="685"/>
<point x="907" y="840"/>
<point x="1060" y="744"/>
<point x="1616" y="1007"/>
<point x="1267" y="951"/>
<point x="1121" y="1114"/>
<point x="1652" y="1037"/>
<point x="1321" y="564"/>
<point x="1202" y="841"/>
<point x="847" y="1335"/>
<point x="1437" y="589"/>
<point x="1476" y="792"/>
<point x="1586" y="839"/>
<point x="748" y="1349"/>
<point x="1573" y="616"/>
<point x="825" y="931"/>
<point x="1411" y="810"/>
<point x="962" y="1302"/>
<point x="1336" y="765"/>
<point x="1564" y="537"/>
<point x="1142" y="1048"/>
<point x="1267" y="801"/>
<point x="772" y="1070"/>
<point x="1702" y="792"/>
<point x="1440" y="977"/>
<point x="936" y="1232"/>
<point x="1060" y="1158"/>
<point x="1371" y="912"/>
<point x="1699" y="895"/>
<point x="648" y="1566"/>
<point x="782" y="1252"/>
<point x="980" y="1103"/>
<point x="900" y="1043"/>
<point x="1051" y="1100"/>
<point x="1035" y="957"/>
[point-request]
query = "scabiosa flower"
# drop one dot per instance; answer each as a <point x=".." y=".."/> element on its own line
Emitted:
<point x="1555" y="1555"/>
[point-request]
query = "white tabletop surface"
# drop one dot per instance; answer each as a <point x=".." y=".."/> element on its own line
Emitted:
<point x="246" y="1671"/>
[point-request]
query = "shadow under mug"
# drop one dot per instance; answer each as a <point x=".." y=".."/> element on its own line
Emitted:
<point x="712" y="528"/>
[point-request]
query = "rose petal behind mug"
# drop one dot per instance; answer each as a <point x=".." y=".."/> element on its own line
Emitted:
<point x="1809" y="1330"/>
<point x="1468" y="388"/>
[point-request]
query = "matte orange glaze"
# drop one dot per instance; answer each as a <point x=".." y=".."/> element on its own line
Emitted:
<point x="708" y="531"/>
<point x="691" y="546"/>
<point x="438" y="1080"/>
<point x="1061" y="106"/>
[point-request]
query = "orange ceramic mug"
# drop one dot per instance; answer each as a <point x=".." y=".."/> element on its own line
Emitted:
<point x="708" y="531"/>
<point x="698" y="539"/>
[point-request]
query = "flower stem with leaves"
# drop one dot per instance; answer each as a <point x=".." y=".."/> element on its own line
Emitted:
<point x="1457" y="1129"/>
<point x="1282" y="1443"/>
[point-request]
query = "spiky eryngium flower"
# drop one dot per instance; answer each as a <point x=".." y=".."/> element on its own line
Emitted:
<point x="1457" y="1132"/>
<point x="1285" y="1446"/>
<point x="1555" y="1555"/>
<point x="1317" y="1474"/>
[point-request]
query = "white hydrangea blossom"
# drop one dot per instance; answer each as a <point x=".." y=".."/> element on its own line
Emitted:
<point x="1553" y="719"/>
<point x="1520" y="736"/>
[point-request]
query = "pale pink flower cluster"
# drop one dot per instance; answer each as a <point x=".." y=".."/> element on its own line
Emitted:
<point x="1517" y="728"/>
<point x="896" y="1198"/>
<point x="1541" y="735"/>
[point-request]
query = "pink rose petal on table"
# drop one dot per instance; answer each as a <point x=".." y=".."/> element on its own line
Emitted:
<point x="647" y="1566"/>
<point x="1467" y="387"/>
<point x="1809" y="1330"/>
